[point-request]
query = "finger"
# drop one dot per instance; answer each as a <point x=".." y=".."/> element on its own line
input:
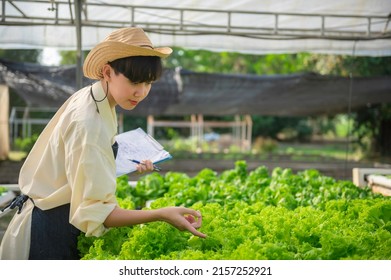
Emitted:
<point x="190" y="219"/>
<point x="196" y="232"/>
<point x="189" y="211"/>
<point x="148" y="165"/>
<point x="197" y="223"/>
<point x="193" y="222"/>
<point x="141" y="168"/>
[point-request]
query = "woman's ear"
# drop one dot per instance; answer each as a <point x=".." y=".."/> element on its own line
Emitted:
<point x="106" y="72"/>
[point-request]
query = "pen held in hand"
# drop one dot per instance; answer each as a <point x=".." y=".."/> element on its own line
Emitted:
<point x="155" y="167"/>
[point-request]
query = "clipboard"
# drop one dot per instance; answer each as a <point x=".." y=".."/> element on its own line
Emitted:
<point x="139" y="145"/>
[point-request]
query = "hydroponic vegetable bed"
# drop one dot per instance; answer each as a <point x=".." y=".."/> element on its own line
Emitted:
<point x="254" y="215"/>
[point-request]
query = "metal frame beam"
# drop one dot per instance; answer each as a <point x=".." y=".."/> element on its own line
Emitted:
<point x="183" y="25"/>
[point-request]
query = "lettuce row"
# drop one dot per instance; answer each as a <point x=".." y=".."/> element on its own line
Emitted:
<point x="252" y="215"/>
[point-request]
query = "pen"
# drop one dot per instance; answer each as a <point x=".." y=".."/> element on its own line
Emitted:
<point x="155" y="167"/>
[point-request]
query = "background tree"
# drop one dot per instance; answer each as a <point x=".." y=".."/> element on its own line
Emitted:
<point x="371" y="124"/>
<point x="21" y="55"/>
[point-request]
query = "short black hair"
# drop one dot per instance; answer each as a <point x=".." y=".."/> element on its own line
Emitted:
<point x="139" y="69"/>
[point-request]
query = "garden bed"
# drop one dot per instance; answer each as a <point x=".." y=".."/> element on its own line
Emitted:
<point x="259" y="214"/>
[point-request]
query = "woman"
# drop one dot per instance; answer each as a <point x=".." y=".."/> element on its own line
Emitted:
<point x="68" y="180"/>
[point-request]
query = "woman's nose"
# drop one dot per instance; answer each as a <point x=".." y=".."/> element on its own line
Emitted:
<point x="140" y="89"/>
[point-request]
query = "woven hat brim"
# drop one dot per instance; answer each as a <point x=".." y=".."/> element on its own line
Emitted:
<point x="109" y="51"/>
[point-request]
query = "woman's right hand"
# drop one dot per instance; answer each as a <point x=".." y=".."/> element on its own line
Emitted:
<point x="183" y="219"/>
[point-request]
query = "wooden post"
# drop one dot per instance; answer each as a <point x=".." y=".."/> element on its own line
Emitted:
<point x="200" y="134"/>
<point x="4" y="122"/>
<point x="150" y="125"/>
<point x="249" y="123"/>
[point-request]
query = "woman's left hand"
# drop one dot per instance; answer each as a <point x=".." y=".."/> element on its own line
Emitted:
<point x="144" y="166"/>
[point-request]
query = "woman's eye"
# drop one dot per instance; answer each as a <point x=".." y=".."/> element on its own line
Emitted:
<point x="137" y="83"/>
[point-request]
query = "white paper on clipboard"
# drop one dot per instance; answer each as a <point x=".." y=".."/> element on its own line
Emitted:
<point x="138" y="145"/>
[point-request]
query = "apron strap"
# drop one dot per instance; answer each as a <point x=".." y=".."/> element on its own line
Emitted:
<point x="16" y="202"/>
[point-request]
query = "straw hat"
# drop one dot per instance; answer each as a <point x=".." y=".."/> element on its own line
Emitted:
<point x="124" y="42"/>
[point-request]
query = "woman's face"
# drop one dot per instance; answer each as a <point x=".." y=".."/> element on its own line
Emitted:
<point x="124" y="92"/>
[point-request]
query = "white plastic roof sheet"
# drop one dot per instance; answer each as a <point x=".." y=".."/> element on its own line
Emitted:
<point x="352" y="27"/>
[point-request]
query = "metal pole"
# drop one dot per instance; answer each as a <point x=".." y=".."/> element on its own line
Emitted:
<point x="3" y="10"/>
<point x="79" y="58"/>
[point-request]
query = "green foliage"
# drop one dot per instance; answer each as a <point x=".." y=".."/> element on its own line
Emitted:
<point x="26" y="144"/>
<point x="367" y="66"/>
<point x="3" y="190"/>
<point x="373" y="135"/>
<point x="228" y="62"/>
<point x="106" y="247"/>
<point x="70" y="57"/>
<point x="254" y="215"/>
<point x="22" y="55"/>
<point x="143" y="244"/>
<point x="372" y="128"/>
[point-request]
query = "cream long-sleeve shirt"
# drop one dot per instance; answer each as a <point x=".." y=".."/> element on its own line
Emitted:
<point x="71" y="162"/>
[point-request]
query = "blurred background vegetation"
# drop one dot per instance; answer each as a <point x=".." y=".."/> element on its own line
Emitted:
<point x="366" y="133"/>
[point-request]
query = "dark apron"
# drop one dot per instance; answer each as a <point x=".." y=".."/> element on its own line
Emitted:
<point x="52" y="236"/>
